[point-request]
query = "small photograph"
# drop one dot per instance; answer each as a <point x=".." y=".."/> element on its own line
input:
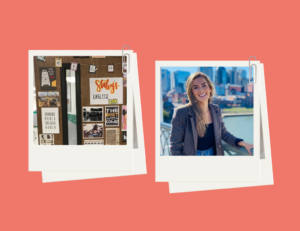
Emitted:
<point x="93" y="142"/>
<point x="125" y="81"/>
<point x="58" y="62"/>
<point x="112" y="116"/>
<point x="92" y="114"/>
<point x="110" y="68"/>
<point x="124" y="118"/>
<point x="92" y="131"/>
<point x="124" y="136"/>
<point x="46" y="139"/>
<point x="48" y="99"/>
<point x="93" y="68"/>
<point x="112" y="136"/>
<point x="74" y="66"/>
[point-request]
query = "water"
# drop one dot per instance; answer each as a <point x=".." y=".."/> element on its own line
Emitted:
<point x="240" y="126"/>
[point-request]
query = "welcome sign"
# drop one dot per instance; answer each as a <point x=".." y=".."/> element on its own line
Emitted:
<point x="106" y="90"/>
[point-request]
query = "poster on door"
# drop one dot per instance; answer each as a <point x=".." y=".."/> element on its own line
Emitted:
<point x="106" y="90"/>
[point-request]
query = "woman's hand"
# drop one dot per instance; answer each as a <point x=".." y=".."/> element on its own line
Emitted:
<point x="247" y="146"/>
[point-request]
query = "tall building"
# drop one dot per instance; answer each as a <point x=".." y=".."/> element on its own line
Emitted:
<point x="172" y="80"/>
<point x="180" y="79"/>
<point x="241" y="74"/>
<point x="209" y="71"/>
<point x="165" y="80"/>
<point x="220" y="89"/>
<point x="221" y="76"/>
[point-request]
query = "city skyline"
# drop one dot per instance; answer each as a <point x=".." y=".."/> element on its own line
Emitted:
<point x="174" y="78"/>
<point x="195" y="69"/>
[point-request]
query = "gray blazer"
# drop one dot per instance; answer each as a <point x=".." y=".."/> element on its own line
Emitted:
<point x="184" y="135"/>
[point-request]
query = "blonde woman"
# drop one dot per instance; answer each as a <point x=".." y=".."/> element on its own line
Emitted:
<point x="197" y="127"/>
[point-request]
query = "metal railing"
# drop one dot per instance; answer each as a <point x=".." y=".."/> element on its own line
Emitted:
<point x="165" y="132"/>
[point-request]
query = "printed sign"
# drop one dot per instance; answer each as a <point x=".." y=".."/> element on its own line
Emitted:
<point x="112" y="116"/>
<point x="48" y="78"/>
<point x="50" y="120"/>
<point x="106" y="91"/>
<point x="93" y="142"/>
<point x="112" y="136"/>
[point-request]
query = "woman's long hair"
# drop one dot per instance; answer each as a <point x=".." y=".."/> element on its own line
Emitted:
<point x="200" y="124"/>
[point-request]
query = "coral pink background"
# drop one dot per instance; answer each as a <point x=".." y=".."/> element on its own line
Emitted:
<point x="156" y="30"/>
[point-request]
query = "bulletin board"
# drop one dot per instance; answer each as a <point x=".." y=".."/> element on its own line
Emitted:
<point x="84" y="62"/>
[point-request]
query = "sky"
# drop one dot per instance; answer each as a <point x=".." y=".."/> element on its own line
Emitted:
<point x="194" y="69"/>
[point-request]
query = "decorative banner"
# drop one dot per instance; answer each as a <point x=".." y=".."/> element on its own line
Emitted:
<point x="92" y="114"/>
<point x="48" y="78"/>
<point x="112" y="116"/>
<point x="58" y="62"/>
<point x="46" y="139"/>
<point x="93" y="142"/>
<point x="92" y="131"/>
<point x="112" y="136"/>
<point x="48" y="99"/>
<point x="124" y="136"/>
<point x="124" y="118"/>
<point x="106" y="91"/>
<point x="50" y="120"/>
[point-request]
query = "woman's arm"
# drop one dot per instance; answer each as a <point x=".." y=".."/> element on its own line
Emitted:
<point x="177" y="133"/>
<point x="247" y="146"/>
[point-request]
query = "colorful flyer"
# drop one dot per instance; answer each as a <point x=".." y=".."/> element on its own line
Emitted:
<point x="106" y="91"/>
<point x="112" y="116"/>
<point x="124" y="118"/>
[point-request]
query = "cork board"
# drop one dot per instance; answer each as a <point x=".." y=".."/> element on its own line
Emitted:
<point x="102" y="65"/>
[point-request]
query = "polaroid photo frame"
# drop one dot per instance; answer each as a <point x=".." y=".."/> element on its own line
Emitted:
<point x="266" y="170"/>
<point x="138" y="144"/>
<point x="206" y="168"/>
<point x="80" y="157"/>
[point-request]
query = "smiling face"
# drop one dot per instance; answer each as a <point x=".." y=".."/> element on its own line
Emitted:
<point x="201" y="89"/>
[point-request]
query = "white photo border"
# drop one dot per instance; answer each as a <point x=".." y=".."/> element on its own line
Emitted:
<point x="206" y="168"/>
<point x="79" y="157"/>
